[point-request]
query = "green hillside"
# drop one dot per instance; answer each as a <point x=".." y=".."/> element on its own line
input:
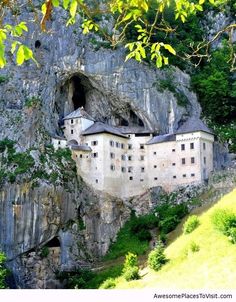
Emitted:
<point x="212" y="267"/>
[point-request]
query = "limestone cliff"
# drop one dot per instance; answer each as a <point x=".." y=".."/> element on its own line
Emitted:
<point x="72" y="72"/>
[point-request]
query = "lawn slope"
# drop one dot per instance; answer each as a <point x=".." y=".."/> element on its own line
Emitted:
<point x="212" y="267"/>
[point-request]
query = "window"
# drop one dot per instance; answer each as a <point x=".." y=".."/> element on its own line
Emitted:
<point x="111" y="143"/>
<point x="204" y="146"/>
<point x="174" y="176"/>
<point x="72" y="121"/>
<point x="131" y="178"/>
<point x="59" y="142"/>
<point x="130" y="169"/>
<point x="154" y="166"/>
<point x="81" y="156"/>
<point x="123" y="157"/>
<point x="96" y="180"/>
<point x="112" y="155"/>
<point x="182" y="147"/>
<point x="112" y="168"/>
<point x="123" y="169"/>
<point x="142" y="157"/>
<point x="130" y="157"/>
<point x="71" y="131"/>
<point x="142" y="169"/>
<point x="204" y="160"/>
<point x="154" y="153"/>
<point x="183" y="161"/>
<point x="192" y="160"/>
<point x="117" y="145"/>
<point x="94" y="143"/>
<point x="141" y="146"/>
<point x="191" y="145"/>
<point x="173" y="164"/>
<point x="155" y="178"/>
<point x="129" y="146"/>
<point x="94" y="155"/>
<point x="173" y="150"/>
<point x="122" y="146"/>
<point x="192" y="175"/>
<point x="184" y="175"/>
<point x="141" y="179"/>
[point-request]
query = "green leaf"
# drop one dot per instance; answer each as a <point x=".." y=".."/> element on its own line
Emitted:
<point x="127" y="17"/>
<point x="170" y="48"/>
<point x="13" y="46"/>
<point x="73" y="8"/>
<point x="44" y="9"/>
<point x="65" y="3"/>
<point x="20" y="55"/>
<point x="55" y="3"/>
<point x="23" y="26"/>
<point x="159" y="61"/>
<point x="28" y="54"/>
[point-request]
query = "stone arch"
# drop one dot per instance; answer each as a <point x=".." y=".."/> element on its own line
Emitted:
<point x="73" y="142"/>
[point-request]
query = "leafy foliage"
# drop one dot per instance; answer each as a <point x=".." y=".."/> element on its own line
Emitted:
<point x="224" y="220"/>
<point x="3" y="271"/>
<point x="191" y="224"/>
<point x="131" y="270"/>
<point x="157" y="258"/>
<point x="109" y="283"/>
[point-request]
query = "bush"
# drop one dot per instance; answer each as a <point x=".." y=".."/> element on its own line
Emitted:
<point x="232" y="235"/>
<point x="144" y="235"/>
<point x="44" y="252"/>
<point x="109" y="283"/>
<point x="131" y="270"/>
<point x="224" y="220"/>
<point x="131" y="273"/>
<point x="191" y="224"/>
<point x="157" y="258"/>
<point x="194" y="247"/>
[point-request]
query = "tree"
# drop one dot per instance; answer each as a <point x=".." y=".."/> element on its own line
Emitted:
<point x="3" y="271"/>
<point x="145" y="17"/>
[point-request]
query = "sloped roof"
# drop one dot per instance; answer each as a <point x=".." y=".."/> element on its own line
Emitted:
<point x="80" y="112"/>
<point x="161" y="139"/>
<point x="99" y="127"/>
<point x="81" y="148"/>
<point x="59" y="137"/>
<point x="193" y="124"/>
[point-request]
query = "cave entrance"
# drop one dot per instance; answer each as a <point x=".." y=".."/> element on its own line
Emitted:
<point x="54" y="242"/>
<point x="135" y="120"/>
<point x="78" y="93"/>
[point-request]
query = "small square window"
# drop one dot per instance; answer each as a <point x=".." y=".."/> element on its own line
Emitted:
<point x="141" y="146"/>
<point x="59" y="142"/>
<point x="141" y="179"/>
<point x="111" y="143"/>
<point x="142" y="169"/>
<point x="154" y="153"/>
<point x="123" y="157"/>
<point x="117" y="145"/>
<point x="94" y="143"/>
<point x="173" y="150"/>
<point x="131" y="178"/>
<point x="122" y="146"/>
<point x="130" y="157"/>
<point x="81" y="156"/>
<point x="112" y="167"/>
<point x="204" y="160"/>
<point x="191" y="145"/>
<point x="182" y="147"/>
<point x="71" y="131"/>
<point x="142" y="157"/>
<point x="129" y="146"/>
<point x="192" y="175"/>
<point x="155" y="166"/>
<point x="184" y="175"/>
<point x="204" y="146"/>
<point x="96" y="180"/>
<point x="130" y="169"/>
<point x="173" y="164"/>
<point x="94" y="155"/>
<point x="183" y="161"/>
<point x="112" y="155"/>
<point x="155" y="178"/>
<point x="174" y="176"/>
<point x="192" y="160"/>
<point x="123" y="169"/>
<point x="72" y="121"/>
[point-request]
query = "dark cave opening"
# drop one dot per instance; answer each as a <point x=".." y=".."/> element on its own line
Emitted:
<point x="78" y="98"/>
<point x="135" y="120"/>
<point x="37" y="44"/>
<point x="54" y="242"/>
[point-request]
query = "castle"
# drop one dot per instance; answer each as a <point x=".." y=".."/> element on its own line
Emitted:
<point x="127" y="161"/>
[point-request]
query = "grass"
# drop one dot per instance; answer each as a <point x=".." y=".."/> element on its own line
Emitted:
<point x="211" y="266"/>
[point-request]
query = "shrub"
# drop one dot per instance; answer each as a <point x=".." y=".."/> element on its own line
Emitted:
<point x="109" y="283"/>
<point x="224" y="220"/>
<point x="131" y="273"/>
<point x="131" y="270"/>
<point x="3" y="271"/>
<point x="144" y="235"/>
<point x="232" y="235"/>
<point x="157" y="258"/>
<point x="191" y="224"/>
<point x="194" y="247"/>
<point x="44" y="252"/>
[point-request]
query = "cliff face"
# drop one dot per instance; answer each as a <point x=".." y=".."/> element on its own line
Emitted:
<point x="71" y="74"/>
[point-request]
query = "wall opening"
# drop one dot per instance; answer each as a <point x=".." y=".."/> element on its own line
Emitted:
<point x="37" y="44"/>
<point x="78" y="97"/>
<point x="135" y="120"/>
<point x="54" y="242"/>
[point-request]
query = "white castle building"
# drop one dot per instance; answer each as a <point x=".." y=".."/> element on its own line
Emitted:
<point x="125" y="161"/>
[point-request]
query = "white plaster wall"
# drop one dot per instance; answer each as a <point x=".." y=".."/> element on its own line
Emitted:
<point x="59" y="143"/>
<point x="78" y="125"/>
